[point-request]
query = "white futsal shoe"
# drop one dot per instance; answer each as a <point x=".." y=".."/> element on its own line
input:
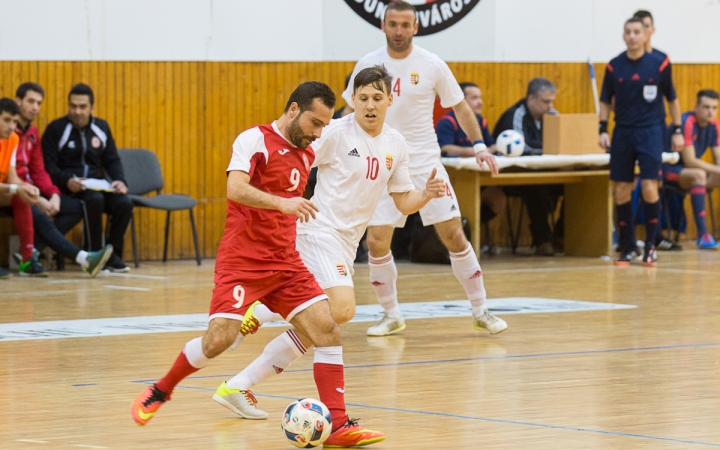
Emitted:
<point x="242" y="403"/>
<point x="386" y="326"/>
<point x="490" y="322"/>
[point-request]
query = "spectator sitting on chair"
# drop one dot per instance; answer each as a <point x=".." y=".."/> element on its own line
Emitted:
<point x="14" y="192"/>
<point x="30" y="167"/>
<point x="77" y="147"/>
<point x="525" y="117"/>
<point x="454" y="142"/>
<point x="700" y="130"/>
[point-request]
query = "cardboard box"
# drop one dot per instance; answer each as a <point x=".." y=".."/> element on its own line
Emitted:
<point x="570" y="134"/>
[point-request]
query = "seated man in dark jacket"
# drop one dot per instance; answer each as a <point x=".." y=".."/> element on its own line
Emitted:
<point x="77" y="147"/>
<point x="526" y="117"/>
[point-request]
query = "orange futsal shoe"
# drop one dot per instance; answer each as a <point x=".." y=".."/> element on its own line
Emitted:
<point x="145" y="405"/>
<point x="353" y="435"/>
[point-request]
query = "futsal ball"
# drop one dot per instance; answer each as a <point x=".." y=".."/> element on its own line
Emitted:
<point x="510" y="143"/>
<point x="306" y="423"/>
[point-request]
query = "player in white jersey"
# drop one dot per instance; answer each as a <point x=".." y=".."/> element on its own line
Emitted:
<point x="419" y="76"/>
<point x="359" y="159"/>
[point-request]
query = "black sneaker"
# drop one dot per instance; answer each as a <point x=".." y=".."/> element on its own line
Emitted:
<point x="625" y="258"/>
<point x="115" y="265"/>
<point x="4" y="274"/>
<point x="667" y="245"/>
<point x="32" y="268"/>
<point x="650" y="257"/>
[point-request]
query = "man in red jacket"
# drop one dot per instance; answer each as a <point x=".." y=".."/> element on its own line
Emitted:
<point x="30" y="167"/>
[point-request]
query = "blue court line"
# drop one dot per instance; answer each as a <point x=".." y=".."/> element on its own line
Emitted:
<point x="483" y="358"/>
<point x="487" y="419"/>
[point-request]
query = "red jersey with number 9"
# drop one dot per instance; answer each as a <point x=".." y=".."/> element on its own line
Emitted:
<point x="264" y="239"/>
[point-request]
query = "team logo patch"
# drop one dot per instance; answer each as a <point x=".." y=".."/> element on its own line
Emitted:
<point x="95" y="142"/>
<point x="388" y="161"/>
<point x="650" y="93"/>
<point x="414" y="78"/>
<point x="342" y="270"/>
<point x="432" y="15"/>
<point x="307" y="163"/>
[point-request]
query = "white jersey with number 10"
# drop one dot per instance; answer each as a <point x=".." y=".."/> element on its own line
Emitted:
<point x="417" y="79"/>
<point x="354" y="169"/>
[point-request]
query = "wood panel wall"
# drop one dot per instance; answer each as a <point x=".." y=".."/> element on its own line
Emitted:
<point x="189" y="113"/>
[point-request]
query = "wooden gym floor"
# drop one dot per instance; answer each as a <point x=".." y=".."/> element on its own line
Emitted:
<point x="646" y="377"/>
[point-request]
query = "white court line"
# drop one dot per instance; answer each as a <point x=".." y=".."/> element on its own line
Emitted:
<point x="493" y="271"/>
<point x="65" y="281"/>
<point x="88" y="446"/>
<point x="84" y="328"/>
<point x="46" y="293"/>
<point x="700" y="272"/>
<point x="136" y="275"/>
<point x="32" y="441"/>
<point x="127" y="288"/>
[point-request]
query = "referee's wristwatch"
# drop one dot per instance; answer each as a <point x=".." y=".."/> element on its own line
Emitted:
<point x="677" y="129"/>
<point x="479" y="146"/>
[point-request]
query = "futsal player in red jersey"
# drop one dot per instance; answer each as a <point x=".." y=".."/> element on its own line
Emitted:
<point x="257" y="259"/>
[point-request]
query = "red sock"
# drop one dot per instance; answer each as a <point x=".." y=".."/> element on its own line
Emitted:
<point x="180" y="370"/>
<point x="330" y="381"/>
<point x="22" y="215"/>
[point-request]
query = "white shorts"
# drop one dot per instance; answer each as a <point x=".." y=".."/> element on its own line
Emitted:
<point x="436" y="211"/>
<point x="327" y="257"/>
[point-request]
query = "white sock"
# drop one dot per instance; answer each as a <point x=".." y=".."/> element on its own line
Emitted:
<point x="194" y="353"/>
<point x="81" y="258"/>
<point x="383" y="276"/>
<point x="329" y="355"/>
<point x="467" y="270"/>
<point x="277" y="356"/>
<point x="264" y="315"/>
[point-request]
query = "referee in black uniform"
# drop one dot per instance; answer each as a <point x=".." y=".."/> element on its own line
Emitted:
<point x="638" y="81"/>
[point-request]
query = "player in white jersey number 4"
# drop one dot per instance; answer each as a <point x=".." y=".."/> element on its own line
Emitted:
<point x="419" y="76"/>
<point x="359" y="157"/>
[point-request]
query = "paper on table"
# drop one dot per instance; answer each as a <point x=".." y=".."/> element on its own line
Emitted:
<point x="97" y="184"/>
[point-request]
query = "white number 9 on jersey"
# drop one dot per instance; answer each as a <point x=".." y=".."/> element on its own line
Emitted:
<point x="239" y="295"/>
<point x="294" y="179"/>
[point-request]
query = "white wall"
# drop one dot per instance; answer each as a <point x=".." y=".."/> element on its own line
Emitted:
<point x="328" y="30"/>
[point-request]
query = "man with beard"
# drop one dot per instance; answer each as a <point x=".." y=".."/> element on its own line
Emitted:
<point x="257" y="259"/>
<point x="356" y="154"/>
<point x="419" y="77"/>
<point x="30" y="168"/>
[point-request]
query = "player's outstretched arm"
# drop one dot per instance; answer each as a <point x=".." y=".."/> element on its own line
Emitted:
<point x="468" y="122"/>
<point x="412" y="201"/>
<point x="239" y="190"/>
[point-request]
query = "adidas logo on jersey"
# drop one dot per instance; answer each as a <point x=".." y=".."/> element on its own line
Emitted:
<point x="354" y="152"/>
<point x="453" y="208"/>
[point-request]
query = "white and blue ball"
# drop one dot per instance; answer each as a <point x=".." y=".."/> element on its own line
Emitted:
<point x="510" y="143"/>
<point x="306" y="423"/>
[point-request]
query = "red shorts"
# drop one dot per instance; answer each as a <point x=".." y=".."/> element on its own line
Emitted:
<point x="283" y="292"/>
